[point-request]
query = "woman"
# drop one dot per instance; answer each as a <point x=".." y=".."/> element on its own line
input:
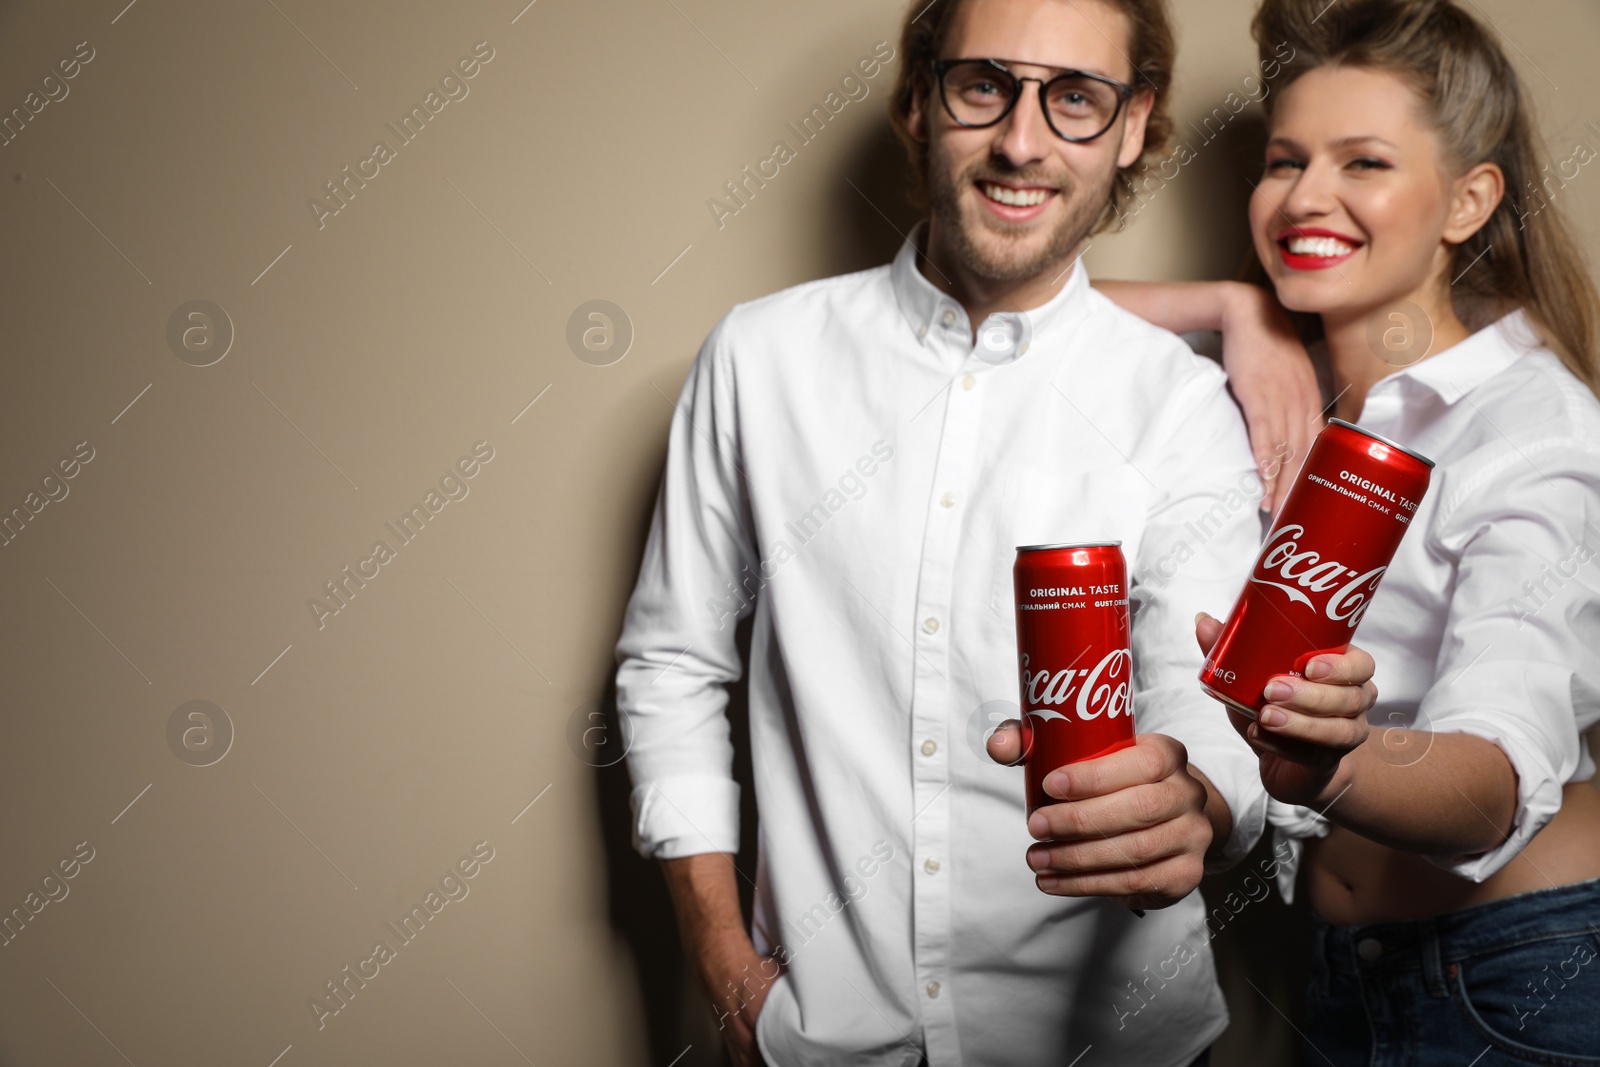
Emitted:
<point x="1452" y="839"/>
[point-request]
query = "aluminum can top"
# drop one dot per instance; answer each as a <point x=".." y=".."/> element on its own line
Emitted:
<point x="1397" y="446"/>
<point x="1078" y="544"/>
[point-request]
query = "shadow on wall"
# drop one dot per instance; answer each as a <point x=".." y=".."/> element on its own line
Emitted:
<point x="871" y="215"/>
<point x="1203" y="226"/>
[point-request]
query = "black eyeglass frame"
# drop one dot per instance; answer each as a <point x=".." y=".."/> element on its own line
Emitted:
<point x="941" y="66"/>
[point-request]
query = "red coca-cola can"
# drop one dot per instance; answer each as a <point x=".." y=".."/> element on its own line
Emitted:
<point x="1072" y="651"/>
<point x="1319" y="569"/>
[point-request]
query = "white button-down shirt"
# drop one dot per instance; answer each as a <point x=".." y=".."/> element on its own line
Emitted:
<point x="849" y="465"/>
<point x="1488" y="620"/>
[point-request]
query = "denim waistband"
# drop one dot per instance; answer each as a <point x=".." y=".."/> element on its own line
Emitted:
<point x="1429" y="944"/>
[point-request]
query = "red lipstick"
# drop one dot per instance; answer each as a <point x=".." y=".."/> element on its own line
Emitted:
<point x="1314" y="261"/>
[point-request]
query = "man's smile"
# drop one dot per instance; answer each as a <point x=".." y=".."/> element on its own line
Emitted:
<point x="1015" y="203"/>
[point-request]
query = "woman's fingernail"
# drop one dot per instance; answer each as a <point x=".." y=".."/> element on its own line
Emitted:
<point x="1277" y="690"/>
<point x="1318" y="669"/>
<point x="1273" y="717"/>
<point x="1199" y="615"/>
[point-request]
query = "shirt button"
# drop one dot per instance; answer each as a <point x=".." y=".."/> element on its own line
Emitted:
<point x="1369" y="948"/>
<point x="931" y="625"/>
<point x="930" y="865"/>
<point x="929" y="747"/>
<point x="968" y="381"/>
<point x="949" y="316"/>
<point x="933" y="989"/>
<point x="1022" y="349"/>
<point x="922" y="331"/>
<point x="948" y="500"/>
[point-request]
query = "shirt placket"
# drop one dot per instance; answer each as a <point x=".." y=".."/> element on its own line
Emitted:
<point x="931" y="711"/>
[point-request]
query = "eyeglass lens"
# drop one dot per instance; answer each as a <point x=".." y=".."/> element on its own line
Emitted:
<point x="979" y="94"/>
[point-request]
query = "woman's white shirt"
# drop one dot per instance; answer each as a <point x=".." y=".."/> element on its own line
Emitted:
<point x="1488" y="620"/>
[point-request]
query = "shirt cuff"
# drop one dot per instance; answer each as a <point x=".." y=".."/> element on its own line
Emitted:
<point x="1236" y="777"/>
<point x="685" y="816"/>
<point x="1538" y="799"/>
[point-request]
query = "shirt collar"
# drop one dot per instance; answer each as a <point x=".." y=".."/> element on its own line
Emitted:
<point x="1005" y="336"/>
<point x="1461" y="368"/>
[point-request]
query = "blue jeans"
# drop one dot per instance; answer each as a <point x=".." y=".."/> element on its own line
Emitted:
<point x="1514" y="981"/>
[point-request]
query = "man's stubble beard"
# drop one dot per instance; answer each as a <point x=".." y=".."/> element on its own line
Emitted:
<point x="1084" y="209"/>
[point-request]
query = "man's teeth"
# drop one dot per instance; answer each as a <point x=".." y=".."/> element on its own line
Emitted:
<point x="1319" y="246"/>
<point x="1014" y="197"/>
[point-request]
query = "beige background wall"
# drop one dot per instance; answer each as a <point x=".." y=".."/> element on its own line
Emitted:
<point x="370" y="754"/>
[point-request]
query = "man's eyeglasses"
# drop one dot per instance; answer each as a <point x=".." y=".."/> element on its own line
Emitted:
<point x="1078" y="106"/>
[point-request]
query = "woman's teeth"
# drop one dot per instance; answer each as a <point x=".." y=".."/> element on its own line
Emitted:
<point x="1319" y="246"/>
<point x="1014" y="197"/>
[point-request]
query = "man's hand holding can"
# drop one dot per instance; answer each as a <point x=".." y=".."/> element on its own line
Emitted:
<point x="1134" y="824"/>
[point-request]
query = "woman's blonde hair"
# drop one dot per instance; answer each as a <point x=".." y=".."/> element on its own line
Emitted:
<point x="1524" y="256"/>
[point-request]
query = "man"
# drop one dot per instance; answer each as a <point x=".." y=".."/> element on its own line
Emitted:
<point x="854" y="461"/>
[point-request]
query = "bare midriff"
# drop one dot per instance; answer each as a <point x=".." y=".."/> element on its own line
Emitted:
<point x="1353" y="881"/>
